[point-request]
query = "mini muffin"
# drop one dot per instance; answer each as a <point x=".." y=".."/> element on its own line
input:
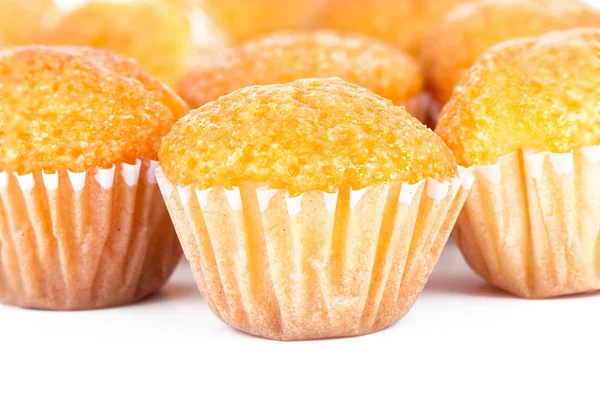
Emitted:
<point x="400" y="22"/>
<point x="468" y="31"/>
<point x="525" y="119"/>
<point x="82" y="222"/>
<point x="154" y="32"/>
<point x="311" y="209"/>
<point x="22" y="20"/>
<point x="285" y="57"/>
<point x="246" y="19"/>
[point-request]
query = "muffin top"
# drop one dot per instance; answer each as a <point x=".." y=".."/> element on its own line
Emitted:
<point x="154" y="32"/>
<point x="537" y="93"/>
<point x="400" y="22"/>
<point x="63" y="107"/>
<point x="245" y="19"/>
<point x="285" y="57"/>
<point x="312" y="134"/>
<point x="130" y="68"/>
<point x="468" y="31"/>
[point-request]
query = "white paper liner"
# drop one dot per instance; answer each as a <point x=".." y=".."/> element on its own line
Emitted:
<point x="316" y="265"/>
<point x="531" y="224"/>
<point x="434" y="190"/>
<point x="84" y="240"/>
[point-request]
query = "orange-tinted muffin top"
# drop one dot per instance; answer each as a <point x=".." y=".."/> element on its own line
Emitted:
<point x="537" y="93"/>
<point x="245" y="19"/>
<point x="312" y="134"/>
<point x="22" y="20"/>
<point x="154" y="32"/>
<point x="400" y="22"/>
<point x="468" y="31"/>
<point x="61" y="107"/>
<point x="129" y="67"/>
<point x="285" y="57"/>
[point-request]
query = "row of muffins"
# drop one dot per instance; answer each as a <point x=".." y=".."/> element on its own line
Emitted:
<point x="288" y="199"/>
<point x="338" y="260"/>
<point x="524" y="121"/>
<point x="442" y="38"/>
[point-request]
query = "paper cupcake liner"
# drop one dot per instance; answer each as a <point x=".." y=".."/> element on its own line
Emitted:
<point x="531" y="223"/>
<point x="315" y="266"/>
<point x="85" y="240"/>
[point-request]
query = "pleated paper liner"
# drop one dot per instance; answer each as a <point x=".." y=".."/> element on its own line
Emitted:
<point x="85" y="240"/>
<point x="531" y="223"/>
<point x="315" y="266"/>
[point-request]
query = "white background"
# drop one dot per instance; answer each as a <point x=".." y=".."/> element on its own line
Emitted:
<point x="462" y="339"/>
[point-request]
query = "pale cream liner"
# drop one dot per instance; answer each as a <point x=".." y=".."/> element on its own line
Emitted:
<point x="84" y="240"/>
<point x="531" y="223"/>
<point x="315" y="266"/>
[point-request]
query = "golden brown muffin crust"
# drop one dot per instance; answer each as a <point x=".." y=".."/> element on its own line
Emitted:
<point x="131" y="68"/>
<point x="469" y="30"/>
<point x="285" y="57"/>
<point x="536" y="93"/>
<point x="400" y="22"/>
<point x="312" y="134"/>
<point x="63" y="108"/>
